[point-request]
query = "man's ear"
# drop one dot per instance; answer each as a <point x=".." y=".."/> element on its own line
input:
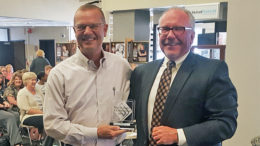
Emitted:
<point x="105" y="30"/>
<point x="192" y="36"/>
<point x="74" y="30"/>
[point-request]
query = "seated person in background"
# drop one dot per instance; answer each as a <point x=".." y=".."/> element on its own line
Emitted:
<point x="42" y="78"/>
<point x="4" y="72"/>
<point x="11" y="91"/>
<point x="29" y="100"/>
<point x="10" y="123"/>
<point x="9" y="70"/>
<point x="2" y="88"/>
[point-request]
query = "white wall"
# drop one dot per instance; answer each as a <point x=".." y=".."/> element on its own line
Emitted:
<point x="38" y="33"/>
<point x="59" y="10"/>
<point x="20" y="33"/>
<point x="243" y="58"/>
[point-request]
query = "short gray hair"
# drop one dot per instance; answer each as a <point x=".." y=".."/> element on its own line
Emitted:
<point x="191" y="17"/>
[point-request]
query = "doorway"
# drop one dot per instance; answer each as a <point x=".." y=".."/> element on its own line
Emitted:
<point x="13" y="52"/>
<point x="19" y="54"/>
<point x="6" y="54"/>
<point x="49" y="48"/>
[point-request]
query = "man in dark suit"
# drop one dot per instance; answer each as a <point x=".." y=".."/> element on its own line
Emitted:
<point x="200" y="107"/>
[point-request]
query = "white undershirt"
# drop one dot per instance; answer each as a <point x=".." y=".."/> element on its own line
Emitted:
<point x="178" y="62"/>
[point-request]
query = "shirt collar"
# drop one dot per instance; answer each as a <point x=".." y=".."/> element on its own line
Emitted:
<point x="178" y="62"/>
<point x="90" y="63"/>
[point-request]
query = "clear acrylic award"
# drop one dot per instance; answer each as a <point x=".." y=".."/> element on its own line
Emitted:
<point x="123" y="115"/>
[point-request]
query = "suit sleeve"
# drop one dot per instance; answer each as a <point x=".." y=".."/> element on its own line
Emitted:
<point x="220" y="111"/>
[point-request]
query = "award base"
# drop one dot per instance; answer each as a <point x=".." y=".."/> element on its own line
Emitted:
<point x="124" y="126"/>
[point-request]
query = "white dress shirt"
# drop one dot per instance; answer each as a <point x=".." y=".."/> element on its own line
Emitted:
<point x="181" y="136"/>
<point x="79" y="97"/>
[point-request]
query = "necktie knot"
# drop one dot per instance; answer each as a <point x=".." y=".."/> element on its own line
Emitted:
<point x="170" y="64"/>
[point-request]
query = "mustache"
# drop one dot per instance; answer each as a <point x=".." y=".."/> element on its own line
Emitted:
<point x="86" y="37"/>
<point x="171" y="42"/>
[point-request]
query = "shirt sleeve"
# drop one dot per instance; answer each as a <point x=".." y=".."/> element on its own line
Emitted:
<point x="181" y="137"/>
<point x="56" y="120"/>
<point x="9" y="92"/>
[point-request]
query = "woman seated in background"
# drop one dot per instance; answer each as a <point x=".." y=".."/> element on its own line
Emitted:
<point x="4" y="73"/>
<point x="30" y="100"/>
<point x="14" y="85"/>
<point x="2" y="88"/>
<point x="8" y="120"/>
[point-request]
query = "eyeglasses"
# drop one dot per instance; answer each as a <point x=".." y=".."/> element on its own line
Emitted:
<point x="178" y="30"/>
<point x="82" y="27"/>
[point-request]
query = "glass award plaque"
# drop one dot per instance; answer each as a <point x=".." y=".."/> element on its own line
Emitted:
<point x="123" y="115"/>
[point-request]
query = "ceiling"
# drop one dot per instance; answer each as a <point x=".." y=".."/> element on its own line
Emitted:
<point x="25" y="22"/>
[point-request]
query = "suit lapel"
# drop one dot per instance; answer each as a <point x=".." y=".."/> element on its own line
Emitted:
<point x="179" y="81"/>
<point x="150" y="74"/>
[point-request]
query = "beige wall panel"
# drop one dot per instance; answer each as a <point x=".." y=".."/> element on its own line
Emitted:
<point x="243" y="58"/>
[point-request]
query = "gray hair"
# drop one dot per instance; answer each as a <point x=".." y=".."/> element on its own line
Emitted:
<point x="191" y="17"/>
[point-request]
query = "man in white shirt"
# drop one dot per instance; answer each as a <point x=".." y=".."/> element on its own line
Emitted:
<point x="82" y="90"/>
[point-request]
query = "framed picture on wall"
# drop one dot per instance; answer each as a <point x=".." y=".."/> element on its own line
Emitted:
<point x="118" y="48"/>
<point x="210" y="51"/>
<point x="64" y="51"/>
<point x="138" y="51"/>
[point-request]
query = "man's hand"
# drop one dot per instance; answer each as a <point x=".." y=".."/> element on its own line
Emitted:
<point x="165" y="135"/>
<point x="109" y="132"/>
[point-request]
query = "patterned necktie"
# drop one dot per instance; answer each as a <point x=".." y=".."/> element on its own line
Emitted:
<point x="160" y="98"/>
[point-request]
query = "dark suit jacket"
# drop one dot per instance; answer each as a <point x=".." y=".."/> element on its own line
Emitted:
<point x="202" y="100"/>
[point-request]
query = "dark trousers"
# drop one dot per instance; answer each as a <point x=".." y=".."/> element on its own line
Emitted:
<point x="10" y="122"/>
<point x="36" y="121"/>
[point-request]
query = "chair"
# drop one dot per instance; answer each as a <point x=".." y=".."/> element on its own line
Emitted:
<point x="27" y="127"/>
